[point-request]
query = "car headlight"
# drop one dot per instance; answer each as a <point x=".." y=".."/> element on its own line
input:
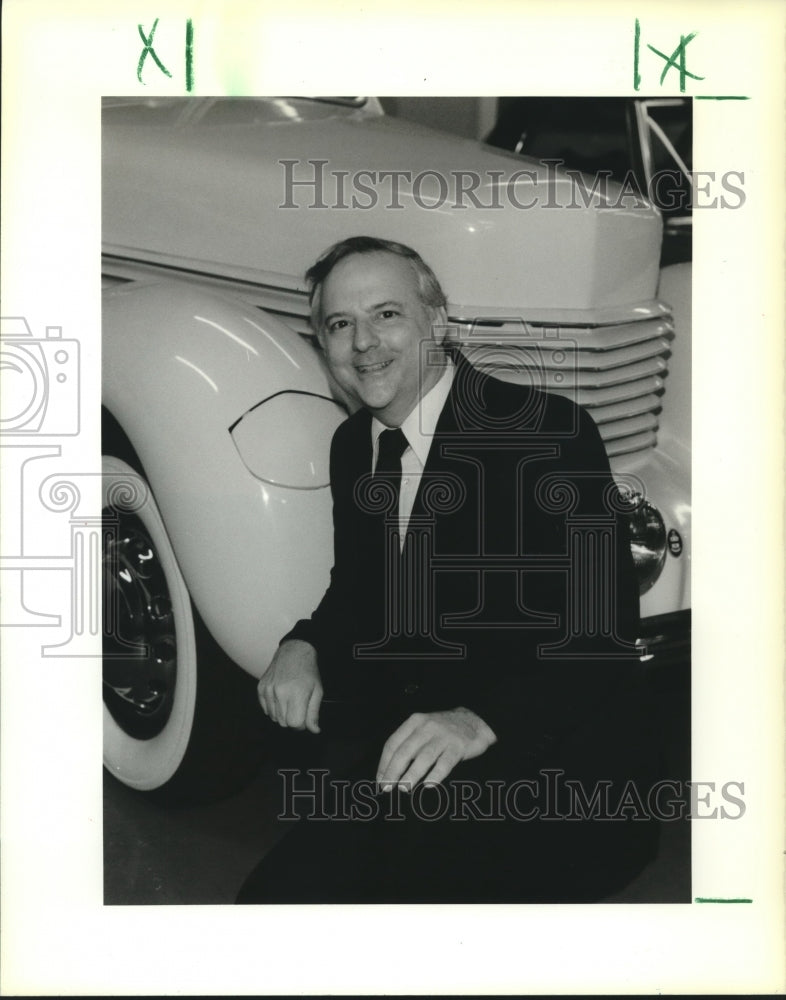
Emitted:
<point x="285" y="440"/>
<point x="647" y="541"/>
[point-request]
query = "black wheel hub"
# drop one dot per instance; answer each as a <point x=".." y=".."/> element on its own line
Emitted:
<point x="139" y="643"/>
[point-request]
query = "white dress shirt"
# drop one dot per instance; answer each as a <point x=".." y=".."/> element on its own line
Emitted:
<point x="418" y="428"/>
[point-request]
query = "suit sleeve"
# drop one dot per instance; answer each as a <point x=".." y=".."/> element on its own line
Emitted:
<point x="533" y="699"/>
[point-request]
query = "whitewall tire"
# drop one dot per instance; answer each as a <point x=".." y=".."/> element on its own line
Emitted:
<point x="148" y="719"/>
<point x="181" y="720"/>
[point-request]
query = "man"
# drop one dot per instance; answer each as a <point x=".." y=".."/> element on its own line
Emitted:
<point x="467" y="514"/>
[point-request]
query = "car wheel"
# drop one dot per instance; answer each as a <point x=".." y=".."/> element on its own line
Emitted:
<point x="180" y="718"/>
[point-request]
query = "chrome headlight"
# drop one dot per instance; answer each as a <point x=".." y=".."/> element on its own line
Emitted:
<point x="647" y="541"/>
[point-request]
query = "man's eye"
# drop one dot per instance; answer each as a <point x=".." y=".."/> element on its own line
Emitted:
<point x="336" y="325"/>
<point x="388" y="313"/>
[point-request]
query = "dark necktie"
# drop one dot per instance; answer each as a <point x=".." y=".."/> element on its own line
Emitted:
<point x="392" y="445"/>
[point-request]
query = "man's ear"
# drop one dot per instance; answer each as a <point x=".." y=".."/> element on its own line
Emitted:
<point x="439" y="323"/>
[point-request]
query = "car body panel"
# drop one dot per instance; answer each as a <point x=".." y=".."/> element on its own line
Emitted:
<point x="676" y="423"/>
<point x="181" y="366"/>
<point x="231" y="216"/>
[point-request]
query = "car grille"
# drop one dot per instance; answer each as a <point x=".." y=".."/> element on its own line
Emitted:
<point x="615" y="370"/>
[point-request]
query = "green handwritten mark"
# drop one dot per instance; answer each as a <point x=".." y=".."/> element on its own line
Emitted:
<point x="712" y="899"/>
<point x="189" y="55"/>
<point x="148" y="49"/>
<point x="671" y="61"/>
<point x="676" y="61"/>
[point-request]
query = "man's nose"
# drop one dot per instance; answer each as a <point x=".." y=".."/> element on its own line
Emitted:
<point x="365" y="335"/>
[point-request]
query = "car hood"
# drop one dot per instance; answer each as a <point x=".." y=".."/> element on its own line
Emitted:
<point x="219" y="198"/>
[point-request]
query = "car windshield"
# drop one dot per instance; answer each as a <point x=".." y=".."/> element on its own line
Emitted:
<point x="666" y="126"/>
<point x="630" y="140"/>
<point x="587" y="134"/>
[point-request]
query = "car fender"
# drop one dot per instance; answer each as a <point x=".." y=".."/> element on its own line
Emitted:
<point x="663" y="474"/>
<point x="181" y="367"/>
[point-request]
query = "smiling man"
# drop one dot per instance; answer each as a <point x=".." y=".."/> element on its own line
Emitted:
<point x="450" y="640"/>
<point x="377" y="308"/>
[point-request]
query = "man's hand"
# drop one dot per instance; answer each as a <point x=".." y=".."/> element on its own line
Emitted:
<point x="430" y="745"/>
<point x="290" y="691"/>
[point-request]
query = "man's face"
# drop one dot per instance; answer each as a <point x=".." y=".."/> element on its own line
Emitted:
<point x="373" y="323"/>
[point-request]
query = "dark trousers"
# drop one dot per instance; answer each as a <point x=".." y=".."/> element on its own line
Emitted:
<point x="500" y="829"/>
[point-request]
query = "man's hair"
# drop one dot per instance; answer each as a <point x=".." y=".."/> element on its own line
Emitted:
<point x="430" y="290"/>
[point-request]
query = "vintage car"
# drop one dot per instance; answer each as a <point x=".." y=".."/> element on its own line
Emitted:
<point x="218" y="410"/>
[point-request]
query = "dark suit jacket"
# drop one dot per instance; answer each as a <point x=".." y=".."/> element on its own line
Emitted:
<point x="517" y="597"/>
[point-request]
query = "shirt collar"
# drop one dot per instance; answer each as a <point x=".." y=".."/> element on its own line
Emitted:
<point x="420" y="425"/>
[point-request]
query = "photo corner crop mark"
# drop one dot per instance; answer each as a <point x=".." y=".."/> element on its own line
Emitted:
<point x="719" y="899"/>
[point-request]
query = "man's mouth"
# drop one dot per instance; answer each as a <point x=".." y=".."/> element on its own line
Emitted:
<point x="373" y="369"/>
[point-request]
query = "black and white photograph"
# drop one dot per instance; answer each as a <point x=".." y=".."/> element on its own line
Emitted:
<point x="380" y="569"/>
<point x="456" y="621"/>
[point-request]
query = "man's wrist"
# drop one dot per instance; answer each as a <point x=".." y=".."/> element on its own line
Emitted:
<point x="298" y="642"/>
